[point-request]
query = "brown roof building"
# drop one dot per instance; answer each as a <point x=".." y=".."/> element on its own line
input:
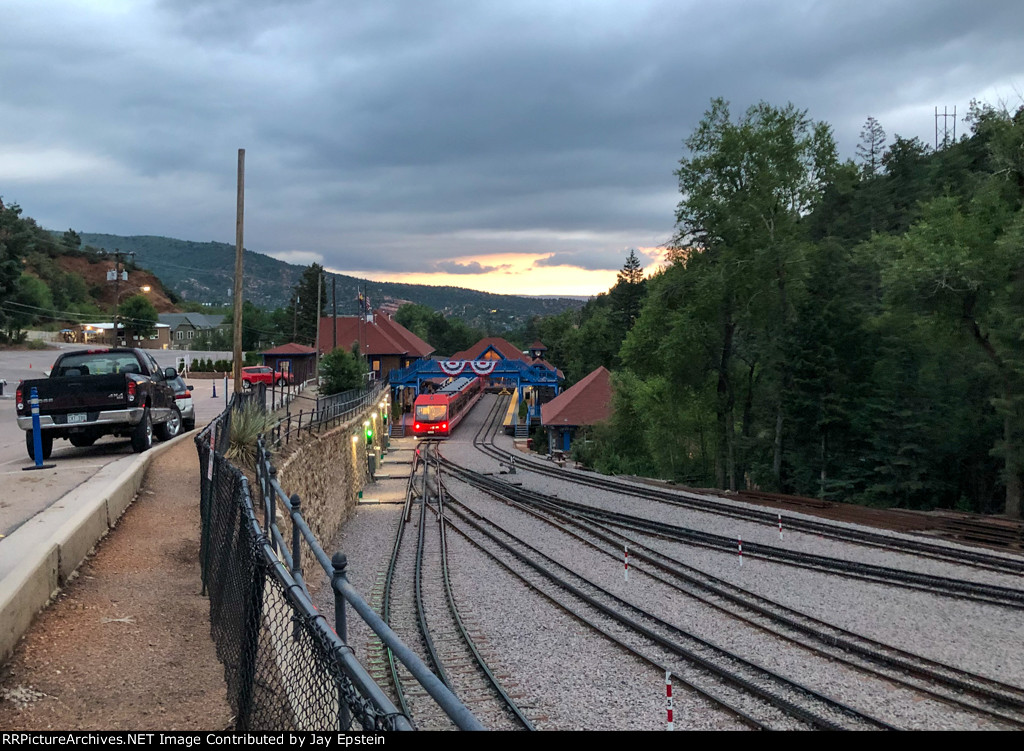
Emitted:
<point x="496" y="348"/>
<point x="386" y="344"/>
<point x="296" y="359"/>
<point x="587" y="403"/>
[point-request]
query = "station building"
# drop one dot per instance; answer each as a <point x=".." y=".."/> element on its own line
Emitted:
<point x="297" y="359"/>
<point x="531" y="379"/>
<point x="386" y="344"/>
<point x="583" y="405"/>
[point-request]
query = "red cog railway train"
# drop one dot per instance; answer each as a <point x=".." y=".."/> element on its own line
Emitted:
<point x="436" y="415"/>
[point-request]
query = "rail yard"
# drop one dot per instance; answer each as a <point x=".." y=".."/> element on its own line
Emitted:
<point x="508" y="578"/>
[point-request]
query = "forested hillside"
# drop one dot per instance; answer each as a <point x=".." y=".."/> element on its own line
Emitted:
<point x="204" y="272"/>
<point x="845" y="330"/>
<point x="50" y="280"/>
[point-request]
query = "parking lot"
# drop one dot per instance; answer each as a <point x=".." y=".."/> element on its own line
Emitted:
<point x="26" y="493"/>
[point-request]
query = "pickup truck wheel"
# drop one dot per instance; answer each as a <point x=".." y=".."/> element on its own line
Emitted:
<point x="246" y="384"/>
<point x="171" y="428"/>
<point x="47" y="445"/>
<point x="142" y="434"/>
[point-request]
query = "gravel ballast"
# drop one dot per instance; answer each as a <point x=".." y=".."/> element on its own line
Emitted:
<point x="568" y="677"/>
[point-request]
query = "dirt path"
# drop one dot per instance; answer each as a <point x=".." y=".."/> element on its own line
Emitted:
<point x="126" y="646"/>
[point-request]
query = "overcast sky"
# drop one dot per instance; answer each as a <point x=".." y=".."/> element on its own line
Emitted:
<point x="517" y="147"/>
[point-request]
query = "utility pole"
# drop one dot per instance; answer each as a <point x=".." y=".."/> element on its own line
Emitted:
<point x="117" y="287"/>
<point x="239" y="223"/>
<point x="316" y="343"/>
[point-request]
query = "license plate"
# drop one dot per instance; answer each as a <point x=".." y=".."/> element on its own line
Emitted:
<point x="78" y="417"/>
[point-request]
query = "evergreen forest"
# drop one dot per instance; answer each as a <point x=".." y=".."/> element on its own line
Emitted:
<point x="844" y="330"/>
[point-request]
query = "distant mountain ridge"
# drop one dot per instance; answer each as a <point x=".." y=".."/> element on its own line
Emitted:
<point x="204" y="272"/>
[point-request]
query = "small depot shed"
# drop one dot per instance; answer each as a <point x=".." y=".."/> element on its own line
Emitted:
<point x="297" y="359"/>
<point x="587" y="403"/>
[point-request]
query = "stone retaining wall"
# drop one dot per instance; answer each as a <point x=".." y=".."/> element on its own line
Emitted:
<point x="327" y="471"/>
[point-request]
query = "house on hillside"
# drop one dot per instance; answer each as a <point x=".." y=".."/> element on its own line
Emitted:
<point x="184" y="327"/>
<point x="587" y="403"/>
<point x="103" y="334"/>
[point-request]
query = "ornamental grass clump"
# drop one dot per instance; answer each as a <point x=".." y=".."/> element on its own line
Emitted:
<point x="248" y="422"/>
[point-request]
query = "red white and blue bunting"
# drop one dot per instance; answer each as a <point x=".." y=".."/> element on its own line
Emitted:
<point x="479" y="367"/>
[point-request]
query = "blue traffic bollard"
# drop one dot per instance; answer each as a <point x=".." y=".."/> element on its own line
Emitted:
<point x="37" y="433"/>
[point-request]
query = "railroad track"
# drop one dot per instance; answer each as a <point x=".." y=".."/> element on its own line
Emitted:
<point x="752" y="693"/>
<point x="700" y="502"/>
<point x="998" y="701"/>
<point x="401" y="612"/>
<point x="442" y="635"/>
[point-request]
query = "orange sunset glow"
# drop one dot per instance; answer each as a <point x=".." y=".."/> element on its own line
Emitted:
<point x="516" y="274"/>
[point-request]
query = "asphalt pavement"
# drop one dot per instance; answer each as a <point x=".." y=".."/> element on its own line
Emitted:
<point x="28" y="493"/>
<point x="51" y="518"/>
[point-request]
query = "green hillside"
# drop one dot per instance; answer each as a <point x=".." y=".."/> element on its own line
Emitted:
<point x="203" y="272"/>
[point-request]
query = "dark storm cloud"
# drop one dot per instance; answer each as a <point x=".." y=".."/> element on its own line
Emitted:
<point x="473" y="267"/>
<point x="394" y="136"/>
<point x="609" y="259"/>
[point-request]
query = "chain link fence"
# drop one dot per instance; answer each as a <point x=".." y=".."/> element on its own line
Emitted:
<point x="284" y="665"/>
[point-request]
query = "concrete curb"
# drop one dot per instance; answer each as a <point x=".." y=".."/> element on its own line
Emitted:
<point x="42" y="553"/>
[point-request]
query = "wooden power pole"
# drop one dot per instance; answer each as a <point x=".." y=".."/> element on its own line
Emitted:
<point x="239" y="223"/>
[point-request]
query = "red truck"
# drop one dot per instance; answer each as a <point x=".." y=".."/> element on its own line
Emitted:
<point x="264" y="374"/>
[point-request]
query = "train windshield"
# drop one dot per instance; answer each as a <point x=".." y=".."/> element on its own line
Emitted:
<point x="430" y="412"/>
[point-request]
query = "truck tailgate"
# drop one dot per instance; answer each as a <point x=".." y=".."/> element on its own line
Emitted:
<point x="81" y="394"/>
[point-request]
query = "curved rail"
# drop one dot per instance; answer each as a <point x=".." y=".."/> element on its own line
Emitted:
<point x="742" y="674"/>
<point x="698" y="502"/>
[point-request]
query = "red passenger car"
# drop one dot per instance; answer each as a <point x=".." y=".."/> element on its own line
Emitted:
<point x="436" y="415"/>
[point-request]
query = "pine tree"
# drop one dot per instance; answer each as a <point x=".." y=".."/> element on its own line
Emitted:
<point x="628" y="293"/>
<point x="871" y="148"/>
<point x="305" y="316"/>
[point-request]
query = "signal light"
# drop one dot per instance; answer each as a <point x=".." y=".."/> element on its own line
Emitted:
<point x="369" y="434"/>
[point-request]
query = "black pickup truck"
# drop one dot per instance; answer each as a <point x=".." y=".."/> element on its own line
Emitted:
<point x="97" y="392"/>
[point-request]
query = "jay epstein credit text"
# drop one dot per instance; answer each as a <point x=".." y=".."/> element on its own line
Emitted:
<point x="293" y="740"/>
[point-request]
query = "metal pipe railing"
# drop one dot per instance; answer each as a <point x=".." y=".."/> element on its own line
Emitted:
<point x="353" y="669"/>
<point x="357" y="692"/>
<point x="345" y="592"/>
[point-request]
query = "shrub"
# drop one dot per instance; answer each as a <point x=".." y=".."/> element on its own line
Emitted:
<point x="248" y="422"/>
<point x="341" y="370"/>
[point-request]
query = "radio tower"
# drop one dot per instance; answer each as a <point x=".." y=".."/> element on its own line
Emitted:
<point x="944" y="128"/>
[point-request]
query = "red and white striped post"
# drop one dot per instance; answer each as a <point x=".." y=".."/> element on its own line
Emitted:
<point x="741" y="551"/>
<point x="668" y="698"/>
<point x="213" y="450"/>
<point x="780" y="526"/>
<point x="625" y="562"/>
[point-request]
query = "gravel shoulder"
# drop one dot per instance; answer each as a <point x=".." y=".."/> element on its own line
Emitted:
<point x="126" y="645"/>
